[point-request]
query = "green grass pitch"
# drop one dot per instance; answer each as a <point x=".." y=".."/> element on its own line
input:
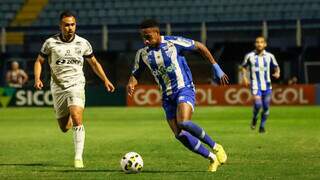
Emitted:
<point x="32" y="146"/>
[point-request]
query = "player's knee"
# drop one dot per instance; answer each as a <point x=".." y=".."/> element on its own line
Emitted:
<point x="257" y="104"/>
<point x="76" y="118"/>
<point x="184" y="124"/>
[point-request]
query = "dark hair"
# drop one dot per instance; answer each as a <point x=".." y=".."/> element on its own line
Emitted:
<point x="67" y="13"/>
<point x="149" y="23"/>
<point x="261" y="36"/>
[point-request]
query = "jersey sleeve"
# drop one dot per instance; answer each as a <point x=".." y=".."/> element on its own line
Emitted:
<point x="273" y="62"/>
<point x="45" y="51"/>
<point x="139" y="65"/>
<point x="88" y="52"/>
<point x="182" y="44"/>
<point x="245" y="61"/>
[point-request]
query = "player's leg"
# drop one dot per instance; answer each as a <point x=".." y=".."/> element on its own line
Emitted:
<point x="184" y="113"/>
<point x="265" y="111"/>
<point x="78" y="133"/>
<point x="188" y="140"/>
<point x="76" y="102"/>
<point x="193" y="144"/>
<point x="257" y="104"/>
<point x="65" y="123"/>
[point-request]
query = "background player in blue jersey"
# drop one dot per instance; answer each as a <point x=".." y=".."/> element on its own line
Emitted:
<point x="261" y="64"/>
<point x="163" y="55"/>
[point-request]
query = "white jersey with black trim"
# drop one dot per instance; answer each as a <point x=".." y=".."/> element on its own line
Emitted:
<point x="66" y="60"/>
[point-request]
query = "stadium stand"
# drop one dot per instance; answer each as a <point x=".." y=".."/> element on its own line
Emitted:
<point x="193" y="11"/>
<point x="231" y="27"/>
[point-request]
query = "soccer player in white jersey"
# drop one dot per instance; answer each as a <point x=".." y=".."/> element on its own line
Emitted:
<point x="66" y="53"/>
<point x="163" y="56"/>
<point x="261" y="65"/>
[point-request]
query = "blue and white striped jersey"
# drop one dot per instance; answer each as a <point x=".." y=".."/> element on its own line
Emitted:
<point x="259" y="67"/>
<point x="166" y="63"/>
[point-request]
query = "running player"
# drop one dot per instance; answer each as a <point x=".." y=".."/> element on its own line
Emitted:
<point x="260" y="62"/>
<point x="163" y="55"/>
<point x="66" y="52"/>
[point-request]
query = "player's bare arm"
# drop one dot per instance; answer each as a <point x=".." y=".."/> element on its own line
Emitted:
<point x="131" y="85"/>
<point x="204" y="51"/>
<point x="37" y="72"/>
<point x="244" y="72"/>
<point x="97" y="68"/>
<point x="25" y="77"/>
<point x="276" y="73"/>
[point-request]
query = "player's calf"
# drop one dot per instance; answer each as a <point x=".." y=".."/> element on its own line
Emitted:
<point x="65" y="123"/>
<point x="197" y="131"/>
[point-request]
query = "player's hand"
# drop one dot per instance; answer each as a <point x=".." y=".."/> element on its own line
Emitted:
<point x="109" y="86"/>
<point x="130" y="89"/>
<point x="224" y="80"/>
<point x="245" y="81"/>
<point x="38" y="84"/>
<point x="217" y="71"/>
<point x="276" y="75"/>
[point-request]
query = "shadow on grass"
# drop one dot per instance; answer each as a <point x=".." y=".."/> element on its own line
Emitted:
<point x="118" y="171"/>
<point x="32" y="165"/>
<point x="22" y="164"/>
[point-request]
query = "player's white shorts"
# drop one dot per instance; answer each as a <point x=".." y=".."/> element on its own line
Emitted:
<point x="63" y="98"/>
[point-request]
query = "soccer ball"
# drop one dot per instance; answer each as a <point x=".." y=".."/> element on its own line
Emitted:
<point x="131" y="163"/>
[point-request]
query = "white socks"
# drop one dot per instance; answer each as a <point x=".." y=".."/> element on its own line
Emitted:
<point x="212" y="157"/>
<point x="78" y="139"/>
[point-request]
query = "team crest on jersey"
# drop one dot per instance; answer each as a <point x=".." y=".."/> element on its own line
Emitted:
<point x="67" y="53"/>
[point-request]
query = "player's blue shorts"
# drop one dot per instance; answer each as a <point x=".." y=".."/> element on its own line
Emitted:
<point x="170" y="103"/>
<point x="258" y="92"/>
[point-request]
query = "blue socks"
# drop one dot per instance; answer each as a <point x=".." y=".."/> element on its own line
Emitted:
<point x="265" y="112"/>
<point x="256" y="108"/>
<point x="264" y="103"/>
<point x="192" y="143"/>
<point x="196" y="131"/>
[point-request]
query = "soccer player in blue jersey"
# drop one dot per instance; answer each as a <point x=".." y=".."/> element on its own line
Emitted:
<point x="163" y="56"/>
<point x="261" y="64"/>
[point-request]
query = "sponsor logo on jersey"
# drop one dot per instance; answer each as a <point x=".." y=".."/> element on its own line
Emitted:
<point x="162" y="70"/>
<point x="69" y="60"/>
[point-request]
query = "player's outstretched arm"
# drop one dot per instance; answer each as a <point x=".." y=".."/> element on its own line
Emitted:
<point x="131" y="85"/>
<point x="97" y="68"/>
<point x="37" y="72"/>
<point x="204" y="51"/>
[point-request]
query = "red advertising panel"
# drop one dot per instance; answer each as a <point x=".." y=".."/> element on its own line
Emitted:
<point x="207" y="95"/>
